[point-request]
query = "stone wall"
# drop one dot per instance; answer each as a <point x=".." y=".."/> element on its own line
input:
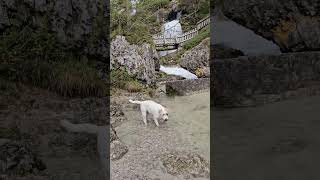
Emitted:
<point x="249" y="81"/>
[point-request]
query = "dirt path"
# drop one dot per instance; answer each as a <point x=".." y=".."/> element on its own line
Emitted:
<point x="188" y="130"/>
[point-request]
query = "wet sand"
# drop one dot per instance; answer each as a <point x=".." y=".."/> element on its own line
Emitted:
<point x="188" y="129"/>
<point x="277" y="141"/>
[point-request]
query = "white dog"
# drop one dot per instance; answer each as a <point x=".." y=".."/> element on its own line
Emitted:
<point x="151" y="107"/>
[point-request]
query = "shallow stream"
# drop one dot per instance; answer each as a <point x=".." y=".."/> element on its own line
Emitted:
<point x="187" y="130"/>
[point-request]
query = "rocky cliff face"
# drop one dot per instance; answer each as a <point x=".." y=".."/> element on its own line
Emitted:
<point x="137" y="61"/>
<point x="77" y="24"/>
<point x="196" y="60"/>
<point x="256" y="80"/>
<point x="294" y="25"/>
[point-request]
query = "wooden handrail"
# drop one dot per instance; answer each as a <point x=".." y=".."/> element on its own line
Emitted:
<point x="160" y="40"/>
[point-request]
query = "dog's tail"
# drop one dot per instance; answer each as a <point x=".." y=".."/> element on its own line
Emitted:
<point x="87" y="128"/>
<point x="134" y="102"/>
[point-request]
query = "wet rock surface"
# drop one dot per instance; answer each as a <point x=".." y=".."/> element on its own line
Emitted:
<point x="190" y="165"/>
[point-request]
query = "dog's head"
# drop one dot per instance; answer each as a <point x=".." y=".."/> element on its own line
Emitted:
<point x="164" y="113"/>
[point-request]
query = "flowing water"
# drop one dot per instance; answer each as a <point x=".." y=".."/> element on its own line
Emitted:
<point x="178" y="71"/>
<point x="188" y="129"/>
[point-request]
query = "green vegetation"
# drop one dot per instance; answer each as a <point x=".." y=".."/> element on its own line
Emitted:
<point x="140" y="27"/>
<point x="122" y="80"/>
<point x="172" y="59"/>
<point x="193" y="11"/>
<point x="203" y="33"/>
<point x="36" y="58"/>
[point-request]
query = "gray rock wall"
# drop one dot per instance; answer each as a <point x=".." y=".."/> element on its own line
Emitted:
<point x="80" y="25"/>
<point x="292" y="24"/>
<point x="249" y="81"/>
<point x="137" y="61"/>
<point x="197" y="58"/>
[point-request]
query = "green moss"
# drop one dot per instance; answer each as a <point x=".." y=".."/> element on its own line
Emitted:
<point x="122" y="80"/>
<point x="204" y="33"/>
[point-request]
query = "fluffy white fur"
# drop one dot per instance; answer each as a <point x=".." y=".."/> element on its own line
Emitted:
<point x="151" y="107"/>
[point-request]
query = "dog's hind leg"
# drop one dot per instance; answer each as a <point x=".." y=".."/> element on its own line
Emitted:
<point x="144" y="115"/>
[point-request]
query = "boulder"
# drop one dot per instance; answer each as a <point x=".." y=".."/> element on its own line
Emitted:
<point x="189" y="165"/>
<point x="117" y="148"/>
<point x="250" y="81"/>
<point x="187" y="86"/>
<point x="116" y="115"/>
<point x="197" y="57"/>
<point x="137" y="61"/>
<point x="293" y="25"/>
<point x="203" y="72"/>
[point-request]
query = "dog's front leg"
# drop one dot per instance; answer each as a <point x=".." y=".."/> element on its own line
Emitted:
<point x="155" y="119"/>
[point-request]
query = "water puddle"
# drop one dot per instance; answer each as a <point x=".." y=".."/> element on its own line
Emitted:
<point x="178" y="71"/>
